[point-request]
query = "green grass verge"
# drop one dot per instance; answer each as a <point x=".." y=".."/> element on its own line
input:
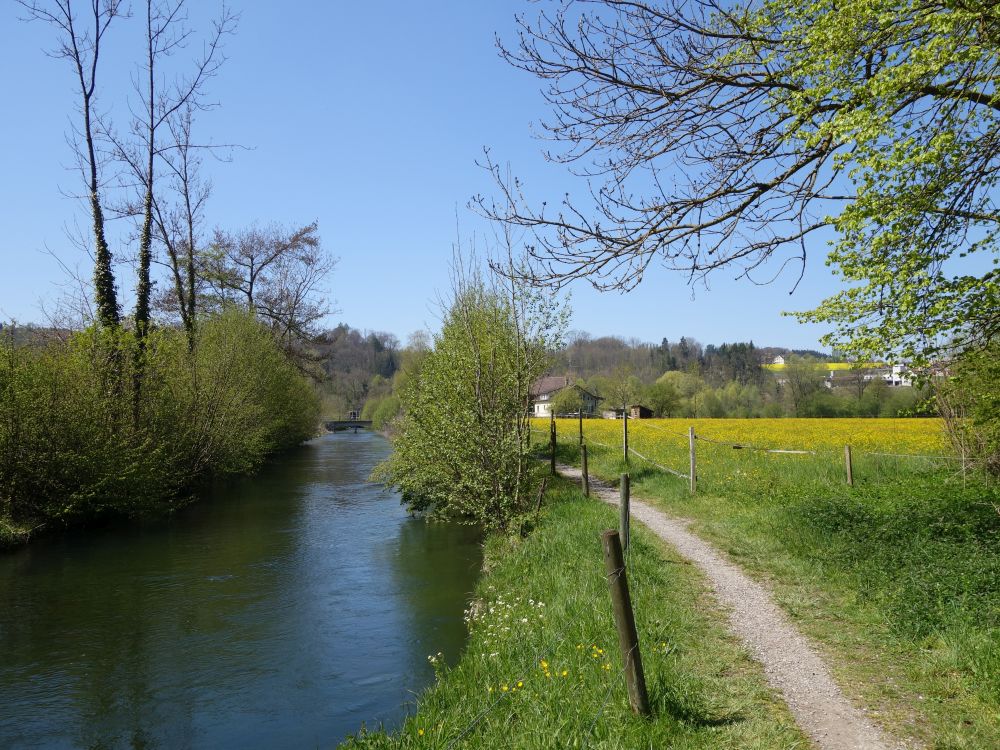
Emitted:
<point x="897" y="579"/>
<point x="542" y="669"/>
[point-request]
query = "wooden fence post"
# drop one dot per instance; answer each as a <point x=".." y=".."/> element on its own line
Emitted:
<point x="541" y="494"/>
<point x="580" y="413"/>
<point x="691" y="463"/>
<point x="628" y="638"/>
<point x="586" y="475"/>
<point x="552" y="446"/>
<point x="625" y="434"/>
<point x="849" y="465"/>
<point x="623" y="510"/>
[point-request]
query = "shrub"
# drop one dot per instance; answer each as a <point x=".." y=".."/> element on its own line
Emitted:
<point x="460" y="450"/>
<point x="970" y="405"/>
<point x="94" y="425"/>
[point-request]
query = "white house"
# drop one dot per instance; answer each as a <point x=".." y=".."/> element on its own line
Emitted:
<point x="545" y="389"/>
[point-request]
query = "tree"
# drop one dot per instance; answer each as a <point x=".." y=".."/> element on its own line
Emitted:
<point x="276" y="273"/>
<point x="802" y="381"/>
<point x="624" y="388"/>
<point x="567" y="401"/>
<point x="459" y="449"/>
<point x="726" y="134"/>
<point x="178" y="223"/>
<point x="80" y="43"/>
<point x="663" y="399"/>
<point x="172" y="107"/>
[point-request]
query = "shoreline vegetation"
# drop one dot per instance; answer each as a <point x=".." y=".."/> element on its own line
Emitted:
<point x="82" y="438"/>
<point x="542" y="667"/>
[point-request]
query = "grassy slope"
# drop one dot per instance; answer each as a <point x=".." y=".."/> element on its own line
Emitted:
<point x="544" y="631"/>
<point x="898" y="578"/>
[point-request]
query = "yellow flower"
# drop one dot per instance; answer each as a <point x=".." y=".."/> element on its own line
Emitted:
<point x="420" y="732"/>
<point x="520" y="684"/>
<point x="565" y="672"/>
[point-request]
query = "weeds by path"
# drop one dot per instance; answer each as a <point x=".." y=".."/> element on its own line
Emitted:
<point x="541" y="669"/>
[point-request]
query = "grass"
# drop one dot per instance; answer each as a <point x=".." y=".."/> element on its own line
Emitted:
<point x="542" y="669"/>
<point x="897" y="579"/>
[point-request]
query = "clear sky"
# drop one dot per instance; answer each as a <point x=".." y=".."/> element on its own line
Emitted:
<point x="368" y="117"/>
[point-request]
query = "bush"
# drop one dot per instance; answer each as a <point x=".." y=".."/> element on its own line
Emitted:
<point x="385" y="412"/>
<point x="95" y="425"/>
<point x="460" y="449"/>
<point x="970" y="405"/>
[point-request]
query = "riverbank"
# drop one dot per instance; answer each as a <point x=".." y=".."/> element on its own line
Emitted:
<point x="542" y="669"/>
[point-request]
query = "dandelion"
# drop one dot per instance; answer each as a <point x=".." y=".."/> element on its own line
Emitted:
<point x="420" y="732"/>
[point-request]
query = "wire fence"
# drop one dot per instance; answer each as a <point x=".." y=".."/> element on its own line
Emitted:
<point x="658" y="446"/>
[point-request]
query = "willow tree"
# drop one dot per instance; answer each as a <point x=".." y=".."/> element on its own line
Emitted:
<point x="739" y="134"/>
<point x="459" y="448"/>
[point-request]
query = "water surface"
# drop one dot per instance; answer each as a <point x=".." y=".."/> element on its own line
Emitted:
<point x="282" y="610"/>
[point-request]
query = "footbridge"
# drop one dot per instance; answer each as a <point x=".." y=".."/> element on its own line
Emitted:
<point x="339" y="425"/>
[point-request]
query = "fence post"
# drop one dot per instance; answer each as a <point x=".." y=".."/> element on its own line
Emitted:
<point x="541" y="493"/>
<point x="691" y="463"/>
<point x="628" y="638"/>
<point x="552" y="445"/>
<point x="580" y="413"/>
<point x="586" y="475"/>
<point x="625" y="434"/>
<point x="850" y="466"/>
<point x="623" y="510"/>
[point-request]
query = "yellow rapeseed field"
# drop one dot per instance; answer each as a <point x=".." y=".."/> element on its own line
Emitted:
<point x="908" y="436"/>
<point x="820" y="442"/>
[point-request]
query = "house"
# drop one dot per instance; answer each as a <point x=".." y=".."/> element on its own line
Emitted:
<point x="545" y="389"/>
<point x="894" y="376"/>
<point x="898" y="376"/>
<point x="779" y="360"/>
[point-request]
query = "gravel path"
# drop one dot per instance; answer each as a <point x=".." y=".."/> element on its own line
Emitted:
<point x="792" y="665"/>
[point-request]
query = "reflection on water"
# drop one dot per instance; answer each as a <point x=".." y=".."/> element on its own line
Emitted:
<point x="284" y="610"/>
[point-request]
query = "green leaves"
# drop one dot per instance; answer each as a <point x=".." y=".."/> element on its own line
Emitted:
<point x="460" y="449"/>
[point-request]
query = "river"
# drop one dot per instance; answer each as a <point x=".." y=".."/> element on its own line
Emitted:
<point x="281" y="610"/>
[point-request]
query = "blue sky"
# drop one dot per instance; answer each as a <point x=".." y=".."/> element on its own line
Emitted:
<point x="369" y="118"/>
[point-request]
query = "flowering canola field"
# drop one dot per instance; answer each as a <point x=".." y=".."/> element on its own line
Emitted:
<point x="665" y="442"/>
<point x="909" y="436"/>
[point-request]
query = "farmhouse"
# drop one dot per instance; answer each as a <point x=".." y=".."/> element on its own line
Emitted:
<point x="545" y="389"/>
<point x="894" y="376"/>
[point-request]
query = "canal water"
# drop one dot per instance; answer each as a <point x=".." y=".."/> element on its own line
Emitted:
<point x="283" y="610"/>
